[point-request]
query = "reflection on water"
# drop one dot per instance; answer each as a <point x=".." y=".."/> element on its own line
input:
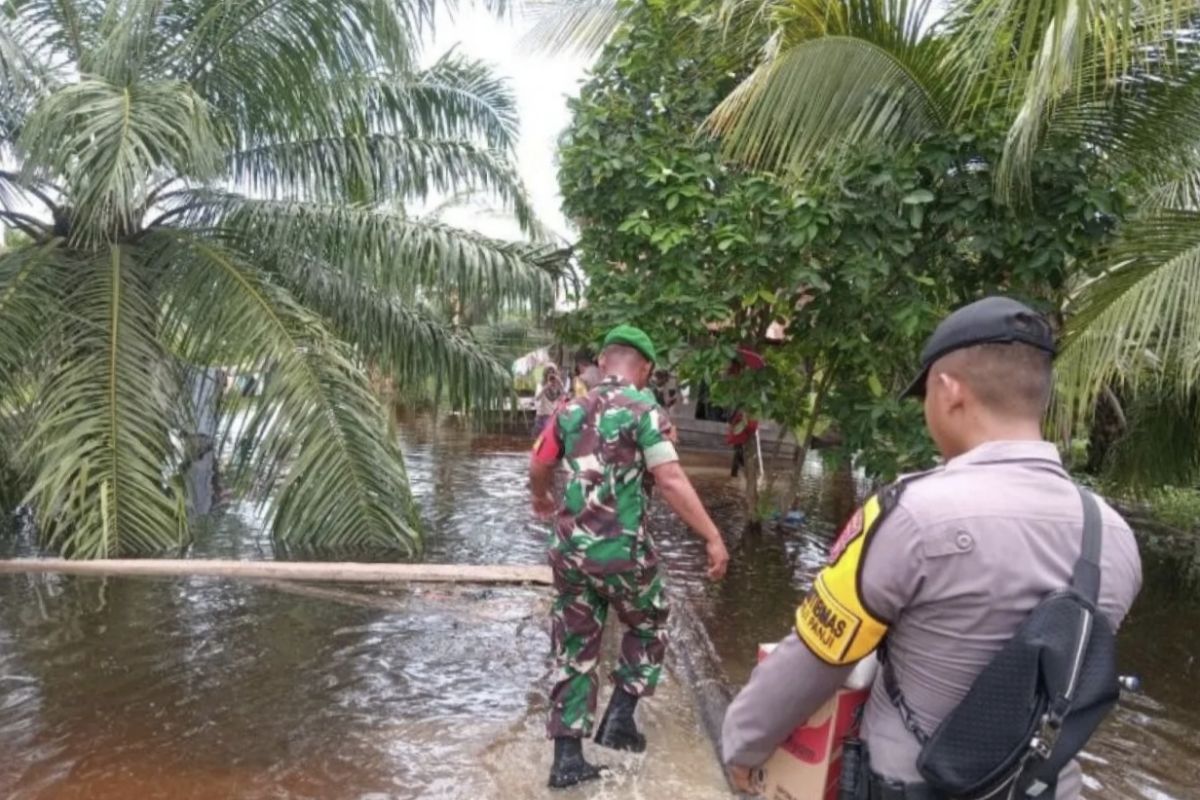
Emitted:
<point x="205" y="688"/>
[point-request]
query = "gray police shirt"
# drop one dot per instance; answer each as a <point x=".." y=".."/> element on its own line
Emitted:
<point x="951" y="571"/>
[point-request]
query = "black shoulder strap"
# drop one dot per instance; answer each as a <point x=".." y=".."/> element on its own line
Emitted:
<point x="1085" y="579"/>
<point x="891" y="685"/>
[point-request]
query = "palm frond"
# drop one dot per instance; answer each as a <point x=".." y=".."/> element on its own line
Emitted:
<point x="454" y="98"/>
<point x="583" y="28"/>
<point x="31" y="281"/>
<point x="571" y="26"/>
<point x="30" y="66"/>
<point x="1029" y="56"/>
<point x="15" y="480"/>
<point x="441" y="130"/>
<point x="1055" y="72"/>
<point x="14" y="60"/>
<point x="379" y="247"/>
<point x="827" y="93"/>
<point x="507" y="341"/>
<point x="296" y="35"/>
<point x="897" y="25"/>
<point x="109" y="141"/>
<point x="1063" y="44"/>
<point x="127" y="42"/>
<point x="64" y="27"/>
<point x="344" y="482"/>
<point x="1147" y="129"/>
<point x="1179" y="190"/>
<point x="1142" y="313"/>
<point x="754" y="28"/>
<point x="99" y="443"/>
<point x="264" y="63"/>
<point x="18" y="191"/>
<point x="375" y="168"/>
<point x="407" y="342"/>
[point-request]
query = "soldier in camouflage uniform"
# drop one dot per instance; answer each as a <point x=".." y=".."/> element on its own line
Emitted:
<point x="602" y="555"/>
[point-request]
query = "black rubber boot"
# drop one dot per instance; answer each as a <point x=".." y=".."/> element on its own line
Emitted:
<point x="569" y="767"/>
<point x="618" y="730"/>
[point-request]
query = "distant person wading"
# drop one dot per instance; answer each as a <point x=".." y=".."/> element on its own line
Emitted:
<point x="547" y="399"/>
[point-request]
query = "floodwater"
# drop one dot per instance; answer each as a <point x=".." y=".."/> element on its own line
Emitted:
<point x="205" y="688"/>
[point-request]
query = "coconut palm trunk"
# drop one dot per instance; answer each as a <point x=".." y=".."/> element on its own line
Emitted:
<point x="204" y="387"/>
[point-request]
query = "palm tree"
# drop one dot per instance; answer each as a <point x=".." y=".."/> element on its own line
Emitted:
<point x="1108" y="77"/>
<point x="204" y="183"/>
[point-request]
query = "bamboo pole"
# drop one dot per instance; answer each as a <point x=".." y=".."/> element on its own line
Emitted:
<point x="341" y="572"/>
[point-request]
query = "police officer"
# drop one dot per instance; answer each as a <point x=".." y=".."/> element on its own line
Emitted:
<point x="951" y="570"/>
<point x="600" y="552"/>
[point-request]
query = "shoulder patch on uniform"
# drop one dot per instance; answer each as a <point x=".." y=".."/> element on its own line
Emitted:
<point x="866" y="518"/>
<point x="833" y="620"/>
<point x="852" y="528"/>
<point x="828" y="626"/>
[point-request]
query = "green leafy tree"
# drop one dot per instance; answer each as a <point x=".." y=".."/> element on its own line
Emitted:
<point x="1114" y="81"/>
<point x="854" y="264"/>
<point x="205" y="183"/>
<point x="1119" y="81"/>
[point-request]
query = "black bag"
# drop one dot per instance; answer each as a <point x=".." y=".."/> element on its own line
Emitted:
<point x="1035" y="705"/>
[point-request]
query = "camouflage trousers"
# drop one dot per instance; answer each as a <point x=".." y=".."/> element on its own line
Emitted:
<point x="578" y="616"/>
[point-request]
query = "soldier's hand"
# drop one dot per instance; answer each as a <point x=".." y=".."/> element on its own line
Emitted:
<point x="718" y="559"/>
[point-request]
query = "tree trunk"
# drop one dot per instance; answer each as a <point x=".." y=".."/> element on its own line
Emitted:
<point x="753" y="473"/>
<point x="802" y="447"/>
<point x="201" y="473"/>
<point x="286" y="570"/>
<point x="1108" y="424"/>
<point x="801" y="450"/>
<point x="843" y="495"/>
<point x="797" y="477"/>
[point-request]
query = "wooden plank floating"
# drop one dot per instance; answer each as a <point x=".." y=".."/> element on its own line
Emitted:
<point x="324" y="571"/>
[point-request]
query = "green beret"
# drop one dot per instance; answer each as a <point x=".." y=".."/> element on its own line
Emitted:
<point x="633" y="337"/>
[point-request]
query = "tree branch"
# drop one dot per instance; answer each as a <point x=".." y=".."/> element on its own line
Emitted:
<point x="1113" y="403"/>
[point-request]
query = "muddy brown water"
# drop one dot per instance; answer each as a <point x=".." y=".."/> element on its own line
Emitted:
<point x="204" y="688"/>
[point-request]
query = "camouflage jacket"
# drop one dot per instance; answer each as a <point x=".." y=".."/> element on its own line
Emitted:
<point x="608" y="439"/>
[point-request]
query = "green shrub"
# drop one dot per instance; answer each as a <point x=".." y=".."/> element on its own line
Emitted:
<point x="1175" y="506"/>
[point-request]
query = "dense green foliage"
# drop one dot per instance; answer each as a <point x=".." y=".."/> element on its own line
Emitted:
<point x="1116" y="80"/>
<point x="204" y="183"/>
<point x="856" y="263"/>
<point x="1179" y="508"/>
<point x="825" y="80"/>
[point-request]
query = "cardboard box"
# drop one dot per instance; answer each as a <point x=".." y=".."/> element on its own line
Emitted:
<point x="808" y="765"/>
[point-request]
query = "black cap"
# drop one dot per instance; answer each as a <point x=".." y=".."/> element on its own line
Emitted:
<point x="990" y="320"/>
